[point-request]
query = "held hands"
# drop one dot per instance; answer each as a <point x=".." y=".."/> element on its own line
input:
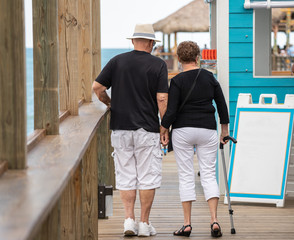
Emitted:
<point x="164" y="139"/>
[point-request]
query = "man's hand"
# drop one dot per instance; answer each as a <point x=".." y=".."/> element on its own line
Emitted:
<point x="100" y="91"/>
<point x="164" y="138"/>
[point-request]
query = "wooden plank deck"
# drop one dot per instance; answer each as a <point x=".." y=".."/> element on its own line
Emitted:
<point x="252" y="221"/>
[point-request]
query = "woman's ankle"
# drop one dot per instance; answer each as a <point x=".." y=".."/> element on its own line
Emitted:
<point x="188" y="227"/>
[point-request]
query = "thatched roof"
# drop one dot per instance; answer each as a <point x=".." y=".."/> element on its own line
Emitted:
<point x="279" y="19"/>
<point x="194" y="17"/>
<point x="277" y="15"/>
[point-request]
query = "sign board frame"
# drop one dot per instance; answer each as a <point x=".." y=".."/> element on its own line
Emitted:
<point x="259" y="161"/>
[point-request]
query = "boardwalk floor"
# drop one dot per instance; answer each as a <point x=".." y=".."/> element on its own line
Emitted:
<point x="252" y="221"/>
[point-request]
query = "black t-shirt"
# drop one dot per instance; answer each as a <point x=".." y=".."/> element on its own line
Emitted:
<point x="135" y="78"/>
<point x="198" y="111"/>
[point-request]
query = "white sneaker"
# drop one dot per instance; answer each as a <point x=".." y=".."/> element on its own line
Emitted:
<point x="146" y="230"/>
<point x="130" y="227"/>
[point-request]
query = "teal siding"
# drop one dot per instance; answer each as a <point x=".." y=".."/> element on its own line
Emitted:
<point x="241" y="64"/>
<point x="240" y="20"/>
<point x="236" y="6"/>
<point x="241" y="50"/>
<point x="241" y="78"/>
<point x="241" y="35"/>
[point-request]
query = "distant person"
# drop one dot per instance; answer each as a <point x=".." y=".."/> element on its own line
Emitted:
<point x="290" y="50"/>
<point x="139" y="89"/>
<point x="195" y="125"/>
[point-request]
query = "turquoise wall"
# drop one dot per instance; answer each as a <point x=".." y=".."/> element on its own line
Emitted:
<point x="241" y="62"/>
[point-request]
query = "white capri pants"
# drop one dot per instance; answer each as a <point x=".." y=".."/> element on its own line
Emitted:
<point x="137" y="159"/>
<point x="206" y="144"/>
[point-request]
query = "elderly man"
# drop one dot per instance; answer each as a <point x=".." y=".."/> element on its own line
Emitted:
<point x="139" y="88"/>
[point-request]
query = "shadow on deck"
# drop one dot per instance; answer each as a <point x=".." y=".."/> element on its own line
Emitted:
<point x="252" y="221"/>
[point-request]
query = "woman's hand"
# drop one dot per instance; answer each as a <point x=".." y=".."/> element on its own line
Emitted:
<point x="224" y="133"/>
<point x="164" y="138"/>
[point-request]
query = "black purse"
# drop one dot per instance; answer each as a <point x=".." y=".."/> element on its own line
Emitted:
<point x="170" y="144"/>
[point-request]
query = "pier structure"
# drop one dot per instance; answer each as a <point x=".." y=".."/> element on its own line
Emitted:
<point x="49" y="180"/>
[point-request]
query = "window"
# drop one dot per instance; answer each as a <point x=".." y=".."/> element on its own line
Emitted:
<point x="273" y="42"/>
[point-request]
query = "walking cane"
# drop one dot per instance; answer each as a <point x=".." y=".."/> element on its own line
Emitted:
<point x="221" y="147"/>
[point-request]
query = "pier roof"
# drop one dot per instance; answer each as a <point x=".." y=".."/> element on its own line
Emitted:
<point x="194" y="17"/>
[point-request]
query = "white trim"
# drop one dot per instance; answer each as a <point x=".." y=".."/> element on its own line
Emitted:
<point x="254" y="43"/>
<point x="289" y="76"/>
<point x="222" y="44"/>
<point x="268" y="4"/>
<point x="254" y="75"/>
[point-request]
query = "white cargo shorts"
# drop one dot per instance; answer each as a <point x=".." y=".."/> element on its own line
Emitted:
<point x="137" y="159"/>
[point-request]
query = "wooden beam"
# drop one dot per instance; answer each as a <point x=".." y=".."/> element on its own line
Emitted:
<point x="71" y="208"/>
<point x="12" y="84"/>
<point x="68" y="55"/>
<point x="90" y="192"/>
<point x="4" y="167"/>
<point x="105" y="160"/>
<point x="85" y="49"/>
<point x="96" y="39"/>
<point x="35" y="138"/>
<point x="45" y="24"/>
<point x="168" y="43"/>
<point x="50" y="229"/>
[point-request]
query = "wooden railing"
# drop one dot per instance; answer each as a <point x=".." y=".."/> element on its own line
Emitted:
<point x="56" y="196"/>
<point x="49" y="185"/>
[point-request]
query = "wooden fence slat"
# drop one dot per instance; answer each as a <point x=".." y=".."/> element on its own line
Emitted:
<point x="50" y="229"/>
<point x="85" y="49"/>
<point x="45" y="23"/>
<point x="71" y="208"/>
<point x="105" y="161"/>
<point x="90" y="192"/>
<point x="12" y="84"/>
<point x="3" y="167"/>
<point x="68" y="55"/>
<point x="96" y="39"/>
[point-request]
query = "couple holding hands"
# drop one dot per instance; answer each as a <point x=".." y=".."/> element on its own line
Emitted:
<point x="139" y="90"/>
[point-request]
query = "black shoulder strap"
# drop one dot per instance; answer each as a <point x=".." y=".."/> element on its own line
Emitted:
<point x="190" y="91"/>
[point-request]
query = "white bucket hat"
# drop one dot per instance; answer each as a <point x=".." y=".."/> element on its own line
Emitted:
<point x="144" y="31"/>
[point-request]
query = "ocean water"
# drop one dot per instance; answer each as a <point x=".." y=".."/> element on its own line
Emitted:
<point x="106" y="55"/>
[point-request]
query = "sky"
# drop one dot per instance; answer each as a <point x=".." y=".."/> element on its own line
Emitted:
<point x="119" y="17"/>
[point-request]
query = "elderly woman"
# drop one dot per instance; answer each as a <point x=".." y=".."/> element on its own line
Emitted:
<point x="195" y="125"/>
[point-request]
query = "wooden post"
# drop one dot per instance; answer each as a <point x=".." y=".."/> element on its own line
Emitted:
<point x="85" y="49"/>
<point x="168" y="43"/>
<point x="50" y="229"/>
<point x="12" y="84"/>
<point x="105" y="160"/>
<point x="90" y="192"/>
<point x="175" y="62"/>
<point x="288" y="27"/>
<point x="45" y="24"/>
<point x="96" y="39"/>
<point x="71" y="208"/>
<point x="111" y="168"/>
<point x="68" y="55"/>
<point x="163" y="41"/>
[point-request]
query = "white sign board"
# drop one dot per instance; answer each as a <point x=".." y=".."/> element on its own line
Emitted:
<point x="259" y="161"/>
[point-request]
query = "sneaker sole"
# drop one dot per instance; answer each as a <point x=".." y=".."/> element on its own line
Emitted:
<point x="144" y="234"/>
<point x="129" y="233"/>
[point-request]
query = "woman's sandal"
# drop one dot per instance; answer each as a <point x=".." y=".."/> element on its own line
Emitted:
<point x="216" y="232"/>
<point x="182" y="232"/>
